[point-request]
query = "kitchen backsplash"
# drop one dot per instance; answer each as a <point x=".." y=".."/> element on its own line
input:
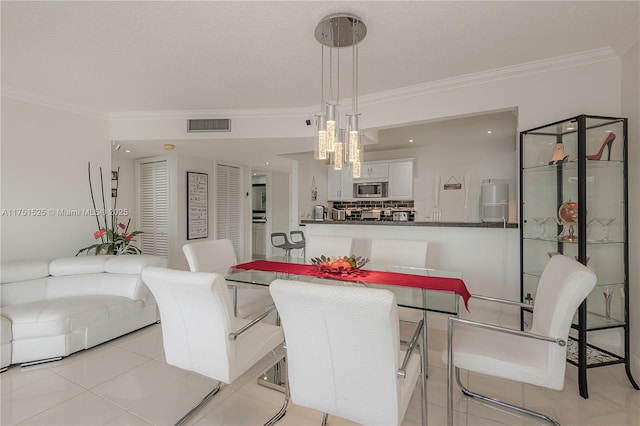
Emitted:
<point x="354" y="208"/>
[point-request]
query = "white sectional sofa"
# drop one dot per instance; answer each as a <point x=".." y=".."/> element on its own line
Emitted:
<point x="51" y="309"/>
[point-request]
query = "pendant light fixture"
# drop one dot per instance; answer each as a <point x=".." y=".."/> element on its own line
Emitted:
<point x="337" y="31"/>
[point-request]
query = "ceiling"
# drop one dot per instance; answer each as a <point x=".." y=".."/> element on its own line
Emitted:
<point x="239" y="55"/>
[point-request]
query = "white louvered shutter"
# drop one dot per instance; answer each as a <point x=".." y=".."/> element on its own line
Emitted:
<point x="154" y="208"/>
<point x="228" y="204"/>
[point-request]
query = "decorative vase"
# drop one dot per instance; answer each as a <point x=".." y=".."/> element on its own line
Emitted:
<point x="568" y="215"/>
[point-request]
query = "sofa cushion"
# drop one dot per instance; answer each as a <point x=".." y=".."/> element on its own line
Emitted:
<point x="133" y="264"/>
<point x="5" y="330"/>
<point x="59" y="316"/>
<point x="23" y="291"/>
<point x="125" y="285"/>
<point x="78" y="265"/>
<point x="24" y="270"/>
<point x="5" y="342"/>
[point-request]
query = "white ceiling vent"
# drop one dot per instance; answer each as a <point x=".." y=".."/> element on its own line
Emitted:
<point x="209" y="125"/>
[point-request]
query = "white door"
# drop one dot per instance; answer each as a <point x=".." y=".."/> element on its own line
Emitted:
<point x="154" y="208"/>
<point x="228" y="205"/>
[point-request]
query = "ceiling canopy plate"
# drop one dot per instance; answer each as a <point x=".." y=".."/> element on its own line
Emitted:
<point x="338" y="30"/>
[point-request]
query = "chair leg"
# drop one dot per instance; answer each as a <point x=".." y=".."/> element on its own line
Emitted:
<point x="423" y="390"/>
<point x="325" y="416"/>
<point x="517" y="408"/>
<point x="283" y="410"/>
<point x="200" y="405"/>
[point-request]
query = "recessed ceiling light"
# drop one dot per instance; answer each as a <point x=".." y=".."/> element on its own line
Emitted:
<point x="410" y="140"/>
<point x="267" y="163"/>
<point x="489" y="132"/>
<point x="127" y="150"/>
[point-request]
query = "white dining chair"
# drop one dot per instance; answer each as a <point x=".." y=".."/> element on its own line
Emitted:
<point x="217" y="255"/>
<point x="343" y="353"/>
<point x="200" y="332"/>
<point x="328" y="245"/>
<point x="411" y="253"/>
<point x="538" y="356"/>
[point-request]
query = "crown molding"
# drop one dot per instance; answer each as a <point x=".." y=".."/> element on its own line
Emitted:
<point x="214" y="113"/>
<point x="505" y="73"/>
<point x="628" y="38"/>
<point x="22" y="95"/>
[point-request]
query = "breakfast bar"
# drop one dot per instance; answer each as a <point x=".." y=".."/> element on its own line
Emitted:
<point x="486" y="254"/>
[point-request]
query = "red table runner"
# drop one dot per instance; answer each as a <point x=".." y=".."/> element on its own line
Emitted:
<point x="366" y="276"/>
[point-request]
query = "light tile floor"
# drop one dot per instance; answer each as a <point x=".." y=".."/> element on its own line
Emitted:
<point x="127" y="382"/>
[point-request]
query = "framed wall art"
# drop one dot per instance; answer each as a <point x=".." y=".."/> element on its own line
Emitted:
<point x="197" y="205"/>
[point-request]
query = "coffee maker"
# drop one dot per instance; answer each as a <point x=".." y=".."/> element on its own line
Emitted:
<point x="319" y="213"/>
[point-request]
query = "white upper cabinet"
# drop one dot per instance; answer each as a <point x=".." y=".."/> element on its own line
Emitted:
<point x="400" y="180"/>
<point x="374" y="171"/>
<point x="339" y="184"/>
<point x="398" y="174"/>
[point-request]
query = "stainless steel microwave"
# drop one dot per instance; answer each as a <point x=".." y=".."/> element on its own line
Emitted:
<point x="370" y="190"/>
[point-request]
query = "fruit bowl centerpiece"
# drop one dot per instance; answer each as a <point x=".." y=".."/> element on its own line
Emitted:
<point x="339" y="265"/>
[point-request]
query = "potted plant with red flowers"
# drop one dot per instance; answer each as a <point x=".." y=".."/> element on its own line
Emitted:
<point x="114" y="236"/>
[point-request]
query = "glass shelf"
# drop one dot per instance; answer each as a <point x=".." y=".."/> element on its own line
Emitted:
<point x="573" y="165"/>
<point x="558" y="240"/>
<point x="596" y="321"/>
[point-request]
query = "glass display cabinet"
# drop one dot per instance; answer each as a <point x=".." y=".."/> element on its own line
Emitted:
<point x="573" y="186"/>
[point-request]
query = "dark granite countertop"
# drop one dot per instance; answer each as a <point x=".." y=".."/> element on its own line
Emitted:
<point x="400" y="223"/>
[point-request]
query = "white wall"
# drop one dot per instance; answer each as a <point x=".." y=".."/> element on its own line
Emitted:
<point x="307" y="169"/>
<point x="126" y="202"/>
<point x="45" y="152"/>
<point x="278" y="199"/>
<point x="631" y="109"/>
<point x="495" y="159"/>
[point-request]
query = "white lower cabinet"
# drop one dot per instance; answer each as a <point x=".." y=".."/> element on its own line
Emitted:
<point x="259" y="233"/>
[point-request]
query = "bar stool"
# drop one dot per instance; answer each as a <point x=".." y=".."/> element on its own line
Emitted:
<point x="280" y="240"/>
<point x="299" y="243"/>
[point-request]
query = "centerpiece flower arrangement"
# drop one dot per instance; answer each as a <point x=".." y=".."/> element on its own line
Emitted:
<point x="339" y="265"/>
<point x="114" y="236"/>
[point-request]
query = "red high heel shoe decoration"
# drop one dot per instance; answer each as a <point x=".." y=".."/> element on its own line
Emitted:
<point x="606" y="142"/>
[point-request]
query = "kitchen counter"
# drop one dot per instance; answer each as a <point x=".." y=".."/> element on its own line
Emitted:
<point x="408" y="223"/>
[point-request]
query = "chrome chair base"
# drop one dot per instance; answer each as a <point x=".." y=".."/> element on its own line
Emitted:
<point x="494" y="401"/>
<point x="204" y="400"/>
<point x="283" y="410"/>
<point x="40" y="361"/>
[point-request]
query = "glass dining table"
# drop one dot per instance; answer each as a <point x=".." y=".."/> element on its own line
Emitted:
<point x="424" y="300"/>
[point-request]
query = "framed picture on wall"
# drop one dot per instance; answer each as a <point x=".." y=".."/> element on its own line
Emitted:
<point x="197" y="205"/>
